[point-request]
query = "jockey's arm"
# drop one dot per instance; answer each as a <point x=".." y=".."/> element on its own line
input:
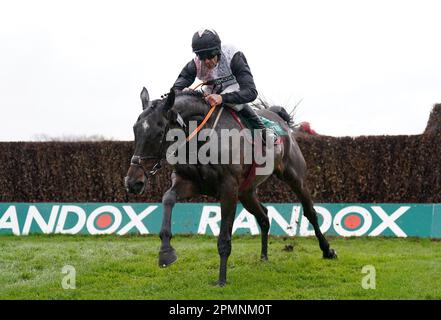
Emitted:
<point x="186" y="77"/>
<point x="247" y="92"/>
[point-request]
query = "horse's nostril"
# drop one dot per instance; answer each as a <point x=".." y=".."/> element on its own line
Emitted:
<point x="133" y="186"/>
<point x="138" y="186"/>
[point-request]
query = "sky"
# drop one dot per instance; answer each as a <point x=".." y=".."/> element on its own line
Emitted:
<point x="76" y="68"/>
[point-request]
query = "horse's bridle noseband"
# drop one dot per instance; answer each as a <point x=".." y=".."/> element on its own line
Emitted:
<point x="137" y="162"/>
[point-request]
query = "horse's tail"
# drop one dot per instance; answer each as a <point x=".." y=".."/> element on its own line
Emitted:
<point x="261" y="103"/>
<point x="282" y="113"/>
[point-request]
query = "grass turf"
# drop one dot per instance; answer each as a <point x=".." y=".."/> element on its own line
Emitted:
<point x="113" y="267"/>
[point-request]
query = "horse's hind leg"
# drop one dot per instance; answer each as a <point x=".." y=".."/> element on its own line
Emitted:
<point x="252" y="204"/>
<point x="302" y="192"/>
<point x="228" y="202"/>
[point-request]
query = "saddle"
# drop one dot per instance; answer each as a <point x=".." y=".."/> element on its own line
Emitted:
<point x="269" y="124"/>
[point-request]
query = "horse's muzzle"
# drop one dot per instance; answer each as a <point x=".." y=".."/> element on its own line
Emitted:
<point x="134" y="186"/>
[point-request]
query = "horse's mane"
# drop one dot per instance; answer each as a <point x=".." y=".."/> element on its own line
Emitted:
<point x="198" y="108"/>
<point x="189" y="110"/>
<point x="194" y="93"/>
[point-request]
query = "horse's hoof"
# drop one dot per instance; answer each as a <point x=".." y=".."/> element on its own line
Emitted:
<point x="263" y="258"/>
<point x="167" y="257"/>
<point x="331" y="254"/>
<point x="221" y="283"/>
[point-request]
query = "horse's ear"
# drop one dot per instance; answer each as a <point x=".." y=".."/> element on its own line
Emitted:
<point x="170" y="100"/>
<point x="144" y="98"/>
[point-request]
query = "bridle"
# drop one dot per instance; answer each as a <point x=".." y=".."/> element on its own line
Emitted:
<point x="137" y="160"/>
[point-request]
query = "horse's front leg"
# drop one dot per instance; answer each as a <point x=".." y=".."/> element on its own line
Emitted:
<point x="167" y="255"/>
<point x="180" y="189"/>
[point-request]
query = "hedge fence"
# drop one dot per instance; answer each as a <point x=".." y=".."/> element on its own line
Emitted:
<point x="371" y="169"/>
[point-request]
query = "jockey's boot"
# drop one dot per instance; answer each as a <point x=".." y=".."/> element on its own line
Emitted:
<point x="256" y="123"/>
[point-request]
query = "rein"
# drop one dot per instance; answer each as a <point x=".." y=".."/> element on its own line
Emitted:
<point x="207" y="117"/>
<point x="199" y="128"/>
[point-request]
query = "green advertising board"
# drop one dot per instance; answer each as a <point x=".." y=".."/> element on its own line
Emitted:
<point x="346" y="219"/>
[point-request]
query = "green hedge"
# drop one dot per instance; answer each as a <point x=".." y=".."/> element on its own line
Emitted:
<point x="362" y="169"/>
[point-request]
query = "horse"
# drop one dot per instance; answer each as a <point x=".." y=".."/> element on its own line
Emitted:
<point x="223" y="181"/>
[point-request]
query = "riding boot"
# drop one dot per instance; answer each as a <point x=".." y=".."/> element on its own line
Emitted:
<point x="256" y="123"/>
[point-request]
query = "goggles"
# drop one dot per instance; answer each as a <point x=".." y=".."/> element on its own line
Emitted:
<point x="207" y="54"/>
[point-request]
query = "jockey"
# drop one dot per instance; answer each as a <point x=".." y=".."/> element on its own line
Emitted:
<point x="228" y="75"/>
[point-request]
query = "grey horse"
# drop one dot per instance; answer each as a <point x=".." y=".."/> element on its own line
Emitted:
<point x="225" y="182"/>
